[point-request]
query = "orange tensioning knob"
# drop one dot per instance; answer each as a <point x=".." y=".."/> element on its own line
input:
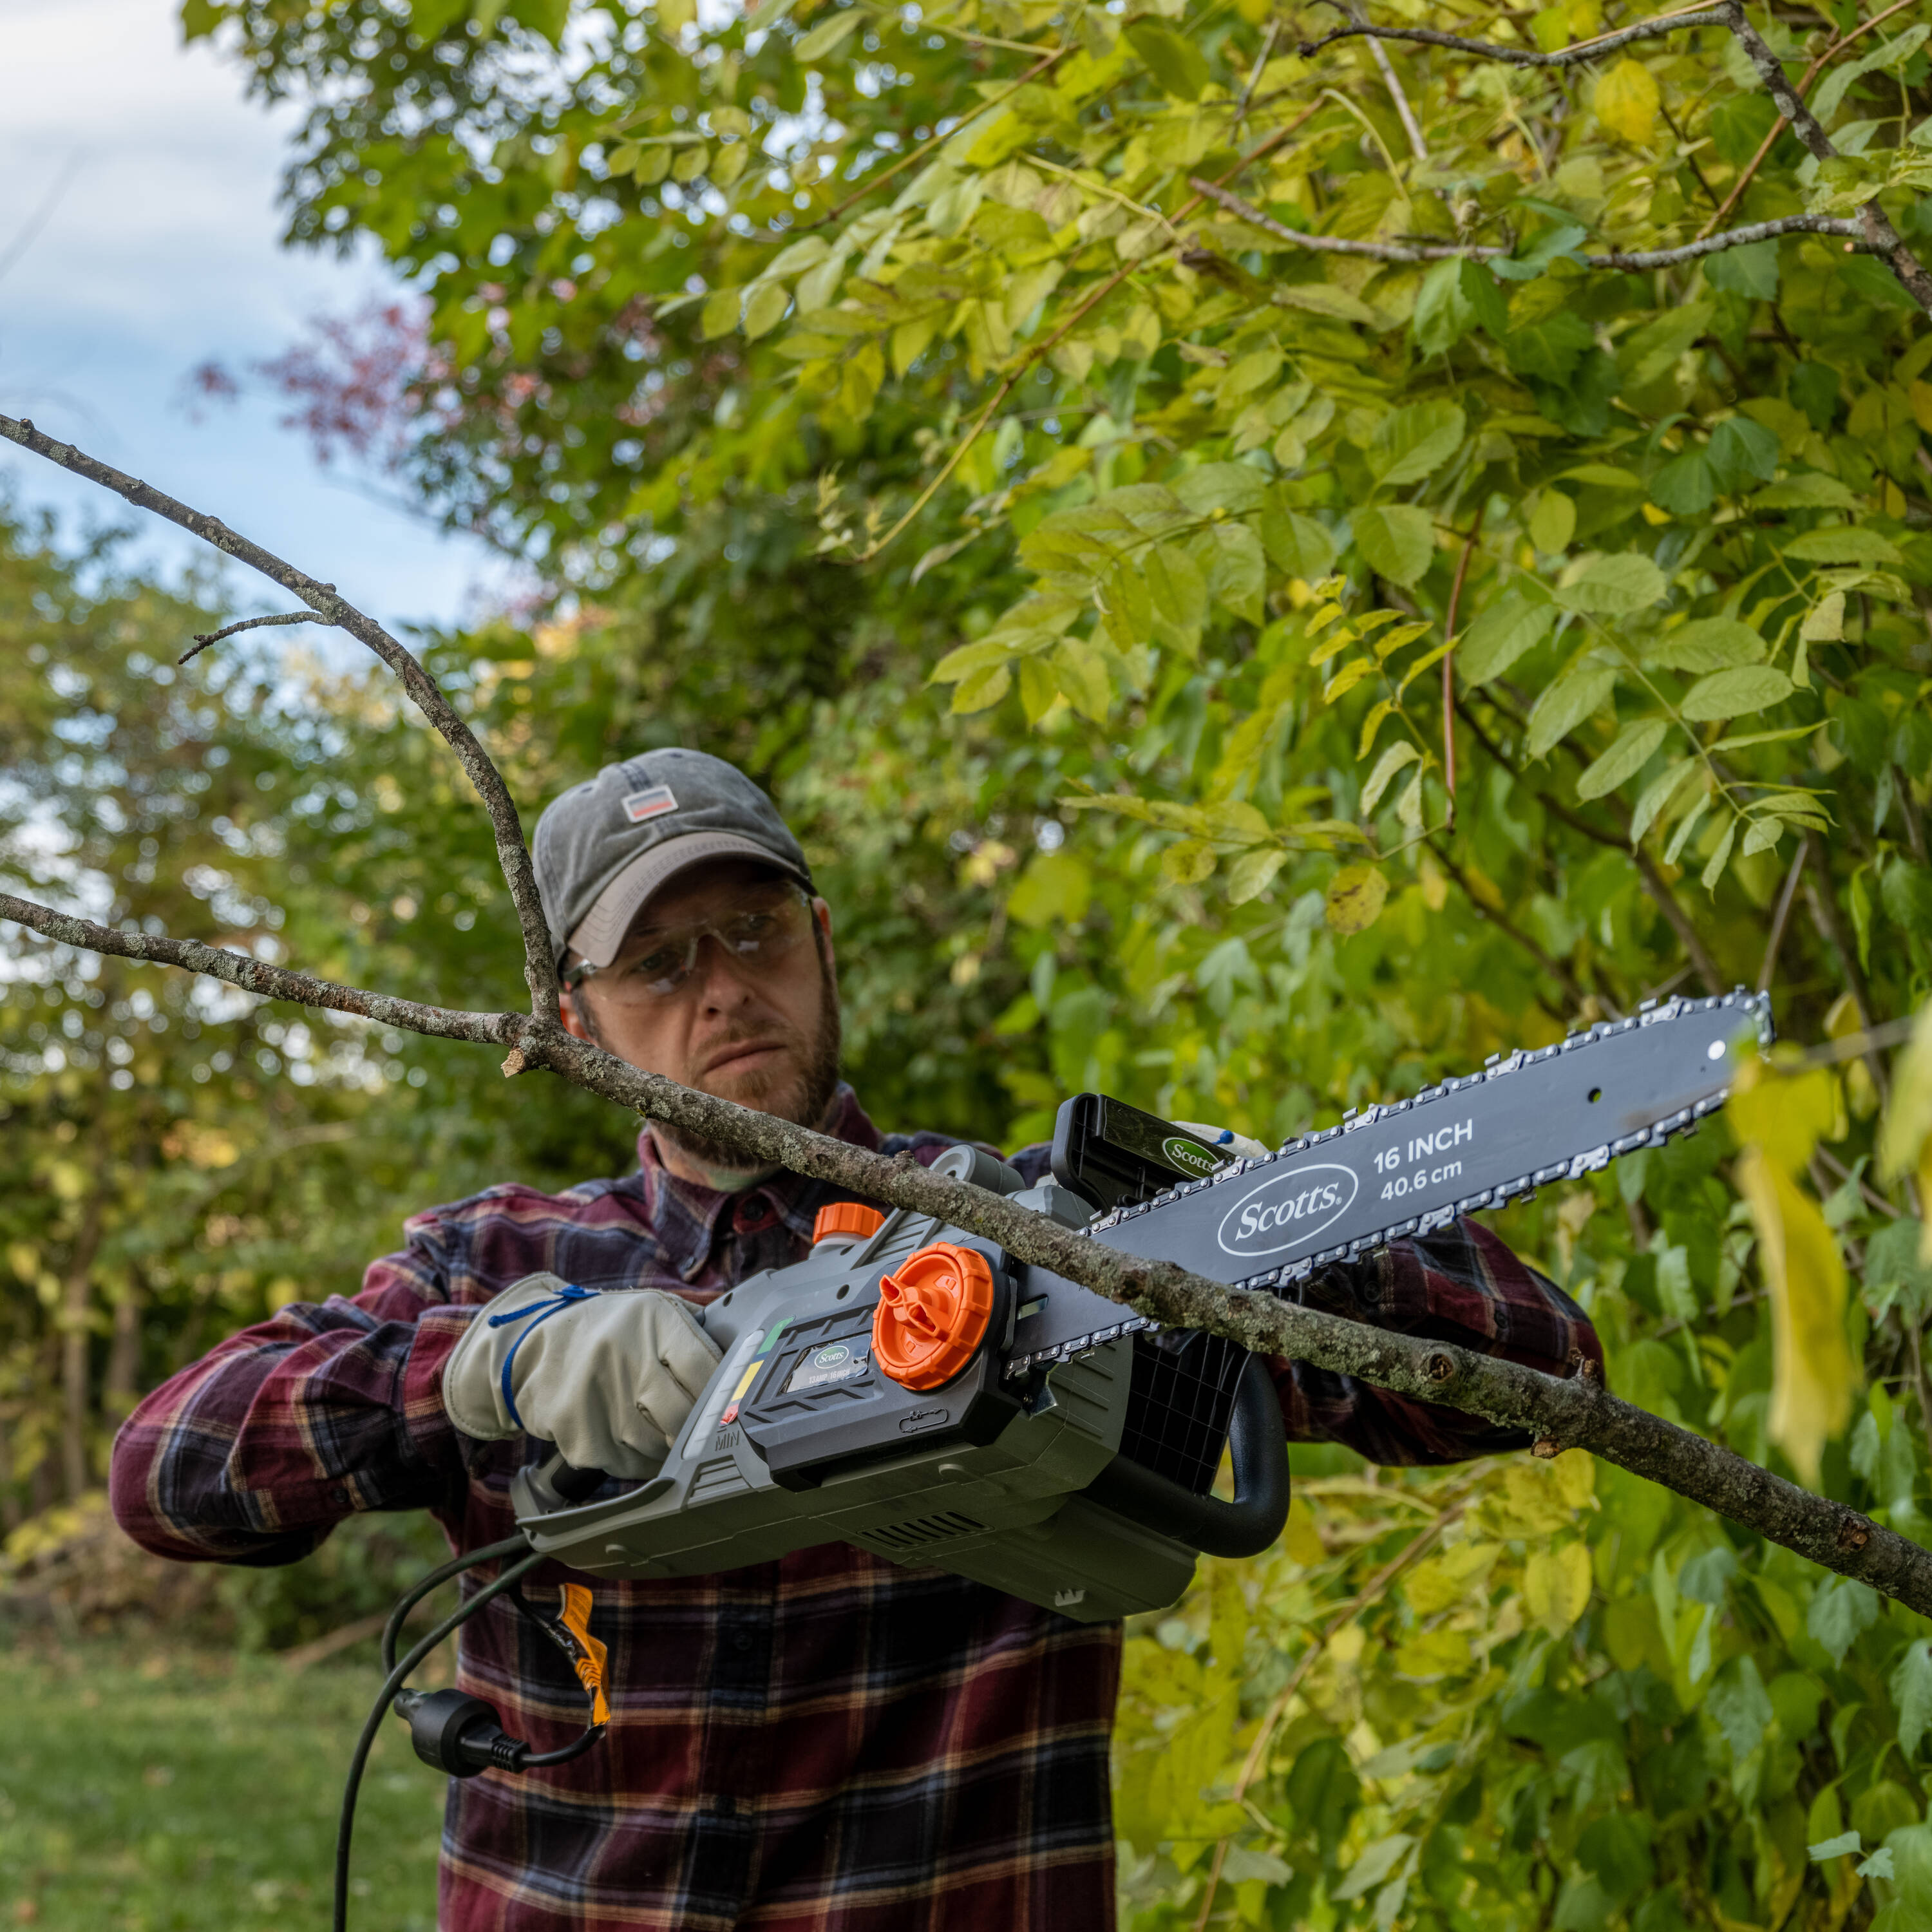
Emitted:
<point x="846" y="1219"/>
<point x="932" y="1315"/>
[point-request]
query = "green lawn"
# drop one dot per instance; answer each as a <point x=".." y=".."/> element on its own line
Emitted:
<point x="198" y="1790"/>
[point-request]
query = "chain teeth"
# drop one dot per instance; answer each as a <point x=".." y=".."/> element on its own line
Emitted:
<point x="1276" y="1280"/>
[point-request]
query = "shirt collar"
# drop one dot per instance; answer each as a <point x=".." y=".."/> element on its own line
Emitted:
<point x="685" y="1215"/>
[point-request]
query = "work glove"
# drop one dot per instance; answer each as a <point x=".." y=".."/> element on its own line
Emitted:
<point x="609" y="1377"/>
<point x="1236" y="1146"/>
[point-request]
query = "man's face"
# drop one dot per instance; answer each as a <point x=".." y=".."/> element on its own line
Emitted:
<point x="762" y="1033"/>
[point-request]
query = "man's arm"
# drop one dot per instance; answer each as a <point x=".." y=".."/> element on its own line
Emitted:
<point x="254" y="1454"/>
<point x="1461" y="1285"/>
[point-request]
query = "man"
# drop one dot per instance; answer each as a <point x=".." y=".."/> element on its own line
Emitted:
<point x="826" y="1744"/>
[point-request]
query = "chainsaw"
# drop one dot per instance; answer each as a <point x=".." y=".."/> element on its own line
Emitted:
<point x="909" y="1388"/>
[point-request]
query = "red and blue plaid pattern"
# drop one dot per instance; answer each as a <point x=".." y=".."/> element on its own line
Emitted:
<point x="825" y="1744"/>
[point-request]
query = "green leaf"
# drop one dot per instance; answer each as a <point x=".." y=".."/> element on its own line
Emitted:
<point x="1176" y="64"/>
<point x="764" y="308"/>
<point x="1720" y="857"/>
<point x="1741" y="451"/>
<point x="1580" y="693"/>
<point x="1296" y="545"/>
<point x="1549" y="349"/>
<point x="719" y="315"/>
<point x="1396" y="540"/>
<point x="1733" y="694"/>
<point x="1843" y="543"/>
<point x="1403" y="752"/>
<point x="1236" y="487"/>
<point x="1627" y="756"/>
<point x="1412" y="443"/>
<point x="1750" y="271"/>
<point x="1912" y="1695"/>
<point x="1502" y="634"/>
<point x="982" y="689"/>
<point x="1614" y="587"/>
<point x="1081" y="672"/>
<point x="1455" y="297"/>
<point x="1707" y="643"/>
<point x="1656" y="797"/>
<point x="1178" y="594"/>
<point x="828" y="36"/>
<point x="1685" y="485"/>
<point x="1055" y="885"/>
<point x="1807" y="490"/>
<point x="1253" y="872"/>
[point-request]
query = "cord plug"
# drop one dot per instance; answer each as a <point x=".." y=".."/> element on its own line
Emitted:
<point x="458" y="1734"/>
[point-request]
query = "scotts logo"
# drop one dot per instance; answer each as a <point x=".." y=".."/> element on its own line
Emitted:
<point x="1287" y="1212"/>
<point x="1190" y="1156"/>
<point x="831" y="1356"/>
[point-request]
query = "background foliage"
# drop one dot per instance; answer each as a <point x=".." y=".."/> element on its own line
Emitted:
<point x="1126" y="763"/>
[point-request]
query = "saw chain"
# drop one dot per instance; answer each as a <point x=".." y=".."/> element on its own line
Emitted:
<point x="1527" y="1120"/>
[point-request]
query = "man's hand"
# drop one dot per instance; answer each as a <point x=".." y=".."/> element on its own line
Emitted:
<point x="608" y="1377"/>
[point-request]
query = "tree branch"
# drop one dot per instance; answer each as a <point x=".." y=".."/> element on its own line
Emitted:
<point x="539" y="962"/>
<point x="1578" y="1413"/>
<point x="1629" y="260"/>
<point x="203" y="639"/>
<point x="1584" y="50"/>
<point x="1880" y="235"/>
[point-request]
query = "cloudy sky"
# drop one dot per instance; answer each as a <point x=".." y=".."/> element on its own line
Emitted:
<point x="138" y="238"/>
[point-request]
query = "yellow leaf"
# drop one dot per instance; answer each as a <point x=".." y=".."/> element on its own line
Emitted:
<point x="1055" y="885"/>
<point x="1189" y="863"/>
<point x="1575" y="1475"/>
<point x="1784" y="1115"/>
<point x="1812" y="1371"/>
<point x="1556" y="1585"/>
<point x="1440" y="1653"/>
<point x="1301" y="1539"/>
<point x="1355" y="897"/>
<point x="765" y="308"/>
<point x="1908" y="1121"/>
<point x="1627" y="100"/>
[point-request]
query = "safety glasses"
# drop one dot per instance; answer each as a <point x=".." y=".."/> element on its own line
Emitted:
<point x="759" y="931"/>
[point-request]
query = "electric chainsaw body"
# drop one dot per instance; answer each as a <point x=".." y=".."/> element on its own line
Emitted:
<point x="1055" y="1445"/>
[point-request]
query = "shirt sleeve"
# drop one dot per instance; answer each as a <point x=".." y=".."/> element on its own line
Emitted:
<point x="254" y="1454"/>
<point x="1462" y="1285"/>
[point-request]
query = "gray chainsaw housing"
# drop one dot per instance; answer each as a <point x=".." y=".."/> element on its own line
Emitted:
<point x="819" y="1448"/>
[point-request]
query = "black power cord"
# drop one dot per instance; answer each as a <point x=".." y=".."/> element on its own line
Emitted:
<point x="399" y="1675"/>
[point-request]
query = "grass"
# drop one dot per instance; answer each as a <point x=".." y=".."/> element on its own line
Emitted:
<point x="189" y="1791"/>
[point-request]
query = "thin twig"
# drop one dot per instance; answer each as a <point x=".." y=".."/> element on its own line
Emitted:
<point x="1830" y="928"/>
<point x="539" y="962"/>
<point x="1261" y="61"/>
<point x="1785" y="900"/>
<point x="1584" y="50"/>
<point x="203" y="639"/>
<point x="1628" y="260"/>
<point x="1449" y="665"/>
<point x="1417" y="146"/>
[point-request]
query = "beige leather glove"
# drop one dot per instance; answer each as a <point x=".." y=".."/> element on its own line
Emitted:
<point x="609" y="1377"/>
<point x="1237" y="1147"/>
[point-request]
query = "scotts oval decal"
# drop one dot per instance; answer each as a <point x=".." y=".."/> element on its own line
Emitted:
<point x="1190" y="1155"/>
<point x="1287" y="1212"/>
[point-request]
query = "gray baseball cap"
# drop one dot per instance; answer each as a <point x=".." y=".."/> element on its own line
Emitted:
<point x="605" y="846"/>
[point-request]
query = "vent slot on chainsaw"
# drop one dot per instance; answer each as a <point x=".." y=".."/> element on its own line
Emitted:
<point x="1179" y="1405"/>
<point x="924" y="1529"/>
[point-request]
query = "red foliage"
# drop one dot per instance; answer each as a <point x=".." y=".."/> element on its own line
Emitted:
<point x="351" y="382"/>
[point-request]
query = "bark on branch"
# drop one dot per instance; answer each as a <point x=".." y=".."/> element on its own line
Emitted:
<point x="1632" y="260"/>
<point x="1578" y="1413"/>
<point x="1585" y="50"/>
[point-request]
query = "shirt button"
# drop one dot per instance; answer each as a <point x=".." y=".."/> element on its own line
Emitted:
<point x="741" y="1642"/>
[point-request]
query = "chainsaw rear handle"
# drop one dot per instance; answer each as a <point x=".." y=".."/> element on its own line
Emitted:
<point x="1245" y="1527"/>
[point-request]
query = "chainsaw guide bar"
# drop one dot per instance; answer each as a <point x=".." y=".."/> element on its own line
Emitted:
<point x="1526" y="1121"/>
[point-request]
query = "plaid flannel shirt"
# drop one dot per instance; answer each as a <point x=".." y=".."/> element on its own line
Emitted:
<point x="828" y="1743"/>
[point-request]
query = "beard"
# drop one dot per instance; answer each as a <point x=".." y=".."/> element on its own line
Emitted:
<point x="800" y="1091"/>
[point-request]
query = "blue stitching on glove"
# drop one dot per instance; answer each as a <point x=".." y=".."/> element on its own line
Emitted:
<point x="537" y="1311"/>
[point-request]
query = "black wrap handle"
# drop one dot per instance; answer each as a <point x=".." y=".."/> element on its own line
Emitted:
<point x="554" y="1484"/>
<point x="1245" y="1527"/>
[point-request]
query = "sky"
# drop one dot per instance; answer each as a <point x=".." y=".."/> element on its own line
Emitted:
<point x="139" y="237"/>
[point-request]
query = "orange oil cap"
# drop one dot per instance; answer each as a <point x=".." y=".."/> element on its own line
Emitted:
<point x="932" y="1315"/>
<point x="846" y="1219"/>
